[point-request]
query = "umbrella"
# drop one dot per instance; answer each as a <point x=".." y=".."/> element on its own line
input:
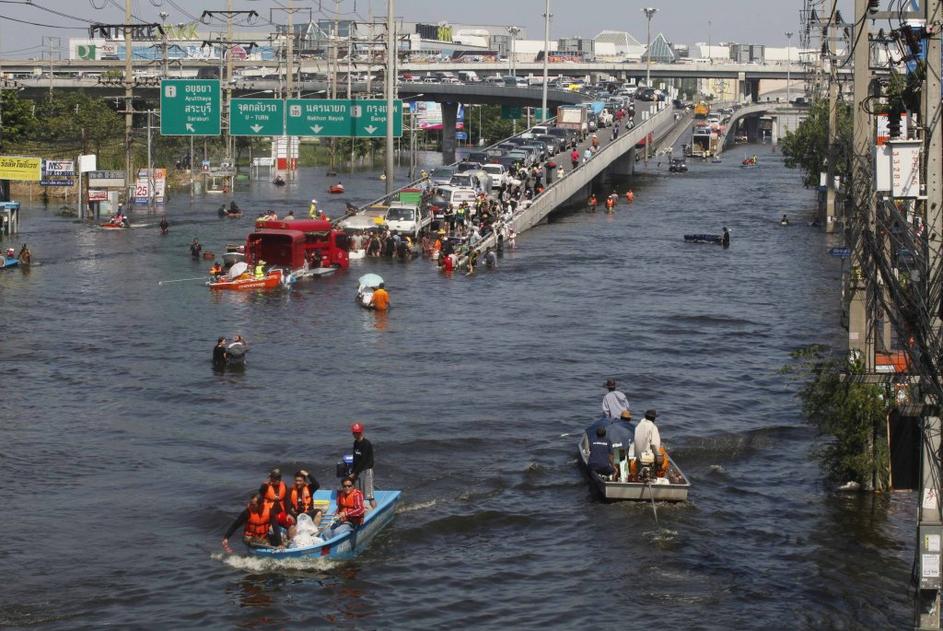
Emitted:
<point x="370" y="280"/>
<point x="237" y="270"/>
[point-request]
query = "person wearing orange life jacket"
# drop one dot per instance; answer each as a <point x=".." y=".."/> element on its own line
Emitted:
<point x="261" y="527"/>
<point x="274" y="490"/>
<point x="593" y="202"/>
<point x="300" y="496"/>
<point x="350" y="510"/>
<point x="610" y="203"/>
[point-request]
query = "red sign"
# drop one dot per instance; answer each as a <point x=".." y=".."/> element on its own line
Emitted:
<point x="96" y="195"/>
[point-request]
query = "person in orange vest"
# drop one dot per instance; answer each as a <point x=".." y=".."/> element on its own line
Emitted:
<point x="593" y="202"/>
<point x="350" y="510"/>
<point x="610" y="202"/>
<point x="629" y="196"/>
<point x="274" y="490"/>
<point x="301" y="496"/>
<point x="261" y="527"/>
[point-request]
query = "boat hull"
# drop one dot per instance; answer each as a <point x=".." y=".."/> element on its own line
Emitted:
<point x="346" y="546"/>
<point x="675" y="491"/>
<point x="271" y="281"/>
<point x="10" y="263"/>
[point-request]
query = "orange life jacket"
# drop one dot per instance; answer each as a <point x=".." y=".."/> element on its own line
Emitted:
<point x="258" y="523"/>
<point x="300" y="502"/>
<point x="271" y="493"/>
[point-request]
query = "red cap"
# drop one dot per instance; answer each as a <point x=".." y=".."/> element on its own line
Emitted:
<point x="356" y="428"/>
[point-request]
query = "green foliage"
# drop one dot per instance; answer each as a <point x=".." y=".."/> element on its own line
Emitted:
<point x="807" y="146"/>
<point x="78" y="121"/>
<point x="493" y="127"/>
<point x="853" y="413"/>
<point x="19" y="122"/>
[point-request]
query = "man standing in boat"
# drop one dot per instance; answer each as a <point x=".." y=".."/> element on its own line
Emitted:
<point x="363" y="464"/>
<point x="614" y="403"/>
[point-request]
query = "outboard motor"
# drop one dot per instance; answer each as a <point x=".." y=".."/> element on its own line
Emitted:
<point x="346" y="466"/>
<point x="647" y="466"/>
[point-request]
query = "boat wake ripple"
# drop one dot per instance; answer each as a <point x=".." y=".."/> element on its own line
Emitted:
<point x="408" y="508"/>
<point x="259" y="565"/>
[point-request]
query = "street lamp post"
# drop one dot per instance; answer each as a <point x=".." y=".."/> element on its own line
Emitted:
<point x="788" y="63"/>
<point x="543" y="97"/>
<point x="649" y="12"/>
<point x="512" y="67"/>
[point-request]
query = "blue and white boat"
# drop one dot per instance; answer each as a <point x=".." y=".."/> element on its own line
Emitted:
<point x="347" y="545"/>
<point x="10" y="262"/>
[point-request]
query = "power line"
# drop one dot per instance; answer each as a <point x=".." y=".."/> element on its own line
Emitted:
<point x="73" y="28"/>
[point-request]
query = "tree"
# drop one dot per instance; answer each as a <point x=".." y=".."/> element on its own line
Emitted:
<point x="493" y="127"/>
<point x="807" y="146"/>
<point x="78" y="121"/>
<point x="19" y="122"/>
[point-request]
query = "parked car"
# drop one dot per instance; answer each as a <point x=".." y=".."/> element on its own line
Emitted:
<point x="441" y="175"/>
<point x="498" y="173"/>
<point x="467" y="165"/>
<point x="555" y="143"/>
<point x="521" y="156"/>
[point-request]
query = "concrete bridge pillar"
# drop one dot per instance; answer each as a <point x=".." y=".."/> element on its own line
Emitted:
<point x="624" y="165"/>
<point x="449" y="114"/>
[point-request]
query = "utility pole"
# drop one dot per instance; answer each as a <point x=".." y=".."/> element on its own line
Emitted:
<point x="289" y="69"/>
<point x="150" y="166"/>
<point x="390" y="82"/>
<point x="128" y="99"/>
<point x="832" y="132"/>
<point x="929" y="517"/>
<point x="788" y="64"/>
<point x="332" y="81"/>
<point x="163" y="43"/>
<point x="861" y="217"/>
<point x="649" y="13"/>
<point x="543" y="97"/>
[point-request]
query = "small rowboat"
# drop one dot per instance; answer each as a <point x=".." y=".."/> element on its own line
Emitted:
<point x="274" y="279"/>
<point x="672" y="488"/>
<point x="9" y="262"/>
<point x="347" y="545"/>
<point x="704" y="238"/>
<point x="336" y="188"/>
<point x="367" y="284"/>
<point x="109" y="225"/>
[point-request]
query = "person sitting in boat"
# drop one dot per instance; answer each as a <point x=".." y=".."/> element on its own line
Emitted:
<point x="273" y="491"/>
<point x="350" y="510"/>
<point x="261" y="526"/>
<point x="648" y="438"/>
<point x="600" y="459"/>
<point x="615" y="402"/>
<point x="260" y="269"/>
<point x="380" y="299"/>
<point x="11" y="253"/>
<point x="216" y="270"/>
<point x="621" y="430"/>
<point x="234" y="207"/>
<point x="300" y="496"/>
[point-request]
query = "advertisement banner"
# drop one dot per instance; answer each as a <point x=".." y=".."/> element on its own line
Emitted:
<point x="20" y="169"/>
<point x="429" y="115"/>
<point x="58" y="173"/>
<point x="97" y="195"/>
<point x="142" y="186"/>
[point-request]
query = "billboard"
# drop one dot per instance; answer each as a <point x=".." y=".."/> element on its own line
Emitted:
<point x="20" y="169"/>
<point x="429" y="115"/>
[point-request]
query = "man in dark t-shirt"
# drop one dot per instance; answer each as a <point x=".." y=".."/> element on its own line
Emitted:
<point x="219" y="353"/>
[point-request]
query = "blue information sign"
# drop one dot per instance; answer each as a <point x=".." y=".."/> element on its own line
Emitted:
<point x="842" y="253"/>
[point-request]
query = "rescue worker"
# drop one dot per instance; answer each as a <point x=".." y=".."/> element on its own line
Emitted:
<point x="593" y="202"/>
<point x="380" y="299"/>
<point x="216" y="270"/>
<point x="629" y="196"/>
<point x="647" y="438"/>
<point x="261" y="527"/>
<point x="313" y="209"/>
<point x="274" y="490"/>
<point x="350" y="510"/>
<point x="610" y="203"/>
<point x="260" y="269"/>
<point x="362" y="472"/>
<point x="600" y="454"/>
<point x="615" y="402"/>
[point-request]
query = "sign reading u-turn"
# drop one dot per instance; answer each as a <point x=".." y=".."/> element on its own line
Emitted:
<point x="341" y="118"/>
<point x="257" y="117"/>
<point x="189" y="107"/>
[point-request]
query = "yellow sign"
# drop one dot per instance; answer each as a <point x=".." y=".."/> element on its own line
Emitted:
<point x="20" y="169"/>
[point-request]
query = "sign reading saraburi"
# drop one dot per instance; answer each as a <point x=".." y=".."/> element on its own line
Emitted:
<point x="257" y="117"/>
<point x="341" y="118"/>
<point x="189" y="107"/>
<point x="20" y="169"/>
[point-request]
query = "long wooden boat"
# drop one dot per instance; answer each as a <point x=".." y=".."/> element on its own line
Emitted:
<point x="347" y="545"/>
<point x="275" y="278"/>
<point x="672" y="488"/>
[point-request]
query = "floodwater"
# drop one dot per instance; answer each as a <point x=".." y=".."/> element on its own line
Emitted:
<point x="125" y="456"/>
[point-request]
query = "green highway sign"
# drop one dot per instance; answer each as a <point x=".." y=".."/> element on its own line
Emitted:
<point x="189" y="107"/>
<point x="341" y="118"/>
<point x="257" y="117"/>
<point x="511" y="112"/>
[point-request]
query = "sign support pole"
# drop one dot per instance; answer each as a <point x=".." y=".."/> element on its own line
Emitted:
<point x="390" y="82"/>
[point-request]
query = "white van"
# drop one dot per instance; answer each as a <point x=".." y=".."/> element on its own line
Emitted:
<point x="407" y="219"/>
<point x="478" y="179"/>
<point x="498" y="172"/>
<point x="456" y="195"/>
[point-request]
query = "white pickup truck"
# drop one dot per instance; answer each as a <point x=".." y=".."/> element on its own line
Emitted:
<point x="407" y="219"/>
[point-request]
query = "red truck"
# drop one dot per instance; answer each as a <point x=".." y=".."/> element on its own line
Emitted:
<point x="298" y="244"/>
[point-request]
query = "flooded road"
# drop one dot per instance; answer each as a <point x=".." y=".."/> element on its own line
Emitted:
<point x="127" y="456"/>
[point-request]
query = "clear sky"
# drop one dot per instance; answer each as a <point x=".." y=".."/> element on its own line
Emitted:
<point x="682" y="21"/>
